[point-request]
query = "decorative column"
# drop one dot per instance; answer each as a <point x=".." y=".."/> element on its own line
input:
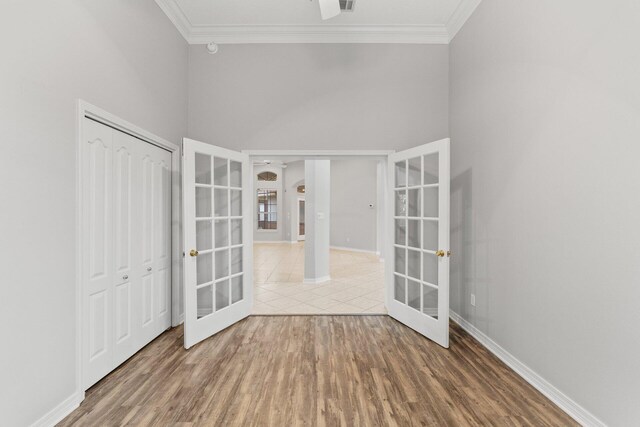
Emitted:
<point x="317" y="179"/>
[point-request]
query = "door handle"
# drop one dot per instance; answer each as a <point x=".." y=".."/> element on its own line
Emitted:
<point x="440" y="253"/>
<point x="193" y="252"/>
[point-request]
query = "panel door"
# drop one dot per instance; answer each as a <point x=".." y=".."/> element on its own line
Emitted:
<point x="218" y="239"/>
<point x="97" y="251"/>
<point x="417" y="273"/>
<point x="126" y="258"/>
<point x="126" y="277"/>
<point x="155" y="255"/>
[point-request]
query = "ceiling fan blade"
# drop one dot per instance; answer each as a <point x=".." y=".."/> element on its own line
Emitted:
<point x="329" y="8"/>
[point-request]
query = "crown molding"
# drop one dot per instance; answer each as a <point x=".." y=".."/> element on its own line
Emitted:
<point x="318" y="34"/>
<point x="237" y="34"/>
<point x="460" y="16"/>
<point x="176" y="16"/>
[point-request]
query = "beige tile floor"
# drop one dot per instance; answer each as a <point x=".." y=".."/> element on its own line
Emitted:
<point x="356" y="285"/>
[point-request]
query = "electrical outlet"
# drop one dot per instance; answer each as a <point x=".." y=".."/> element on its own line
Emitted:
<point x="473" y="300"/>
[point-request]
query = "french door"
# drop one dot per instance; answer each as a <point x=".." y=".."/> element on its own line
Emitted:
<point x="217" y="239"/>
<point x="417" y="273"/>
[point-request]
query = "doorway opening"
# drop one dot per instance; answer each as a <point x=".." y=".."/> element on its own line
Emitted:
<point x="335" y="217"/>
<point x="221" y="188"/>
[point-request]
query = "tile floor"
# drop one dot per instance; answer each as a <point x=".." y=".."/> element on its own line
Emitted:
<point x="356" y="285"/>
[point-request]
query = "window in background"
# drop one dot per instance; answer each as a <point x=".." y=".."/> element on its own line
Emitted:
<point x="267" y="176"/>
<point x="267" y="209"/>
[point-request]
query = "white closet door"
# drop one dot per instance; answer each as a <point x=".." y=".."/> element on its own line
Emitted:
<point x="126" y="278"/>
<point x="155" y="195"/>
<point x="97" y="251"/>
<point x="162" y="225"/>
<point x="126" y="246"/>
<point x="147" y="167"/>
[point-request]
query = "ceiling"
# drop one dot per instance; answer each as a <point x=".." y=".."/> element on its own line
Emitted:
<point x="298" y="21"/>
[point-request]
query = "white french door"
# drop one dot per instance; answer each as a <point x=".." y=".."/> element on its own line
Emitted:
<point x="417" y="273"/>
<point x="217" y="239"/>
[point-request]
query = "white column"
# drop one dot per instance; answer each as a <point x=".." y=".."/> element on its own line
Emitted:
<point x="317" y="180"/>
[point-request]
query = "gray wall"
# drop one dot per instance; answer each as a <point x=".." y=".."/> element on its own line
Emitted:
<point x="545" y="127"/>
<point x="122" y="56"/>
<point x="311" y="96"/>
<point x="353" y="188"/>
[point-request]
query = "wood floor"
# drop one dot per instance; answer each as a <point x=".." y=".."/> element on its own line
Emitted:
<point x="315" y="370"/>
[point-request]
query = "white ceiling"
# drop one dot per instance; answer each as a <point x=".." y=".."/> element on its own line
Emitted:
<point x="298" y="21"/>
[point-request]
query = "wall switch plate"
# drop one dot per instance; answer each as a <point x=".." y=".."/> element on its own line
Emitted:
<point x="473" y="300"/>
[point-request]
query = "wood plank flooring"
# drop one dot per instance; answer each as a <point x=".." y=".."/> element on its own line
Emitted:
<point x="315" y="371"/>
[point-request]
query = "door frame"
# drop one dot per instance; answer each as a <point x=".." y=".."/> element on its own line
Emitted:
<point x="87" y="110"/>
<point x="381" y="155"/>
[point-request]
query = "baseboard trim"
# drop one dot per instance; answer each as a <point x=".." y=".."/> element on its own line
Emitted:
<point x="564" y="402"/>
<point x="58" y="413"/>
<point x="278" y="242"/>
<point x="364" y="251"/>
<point x="179" y="321"/>
<point x="317" y="280"/>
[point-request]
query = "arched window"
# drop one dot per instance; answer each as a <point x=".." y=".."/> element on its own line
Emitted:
<point x="267" y="176"/>
<point x="301" y="188"/>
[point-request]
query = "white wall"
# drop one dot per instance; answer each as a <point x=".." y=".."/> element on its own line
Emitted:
<point x="545" y="127"/>
<point x="122" y="56"/>
<point x="314" y="96"/>
<point x="353" y="188"/>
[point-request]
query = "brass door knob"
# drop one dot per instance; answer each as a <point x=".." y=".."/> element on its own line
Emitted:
<point x="440" y="253"/>
<point x="193" y="252"/>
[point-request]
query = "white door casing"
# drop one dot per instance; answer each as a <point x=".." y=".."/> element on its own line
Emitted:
<point x="417" y="261"/>
<point x="218" y="239"/>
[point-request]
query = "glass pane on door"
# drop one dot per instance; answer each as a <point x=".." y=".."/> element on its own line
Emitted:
<point x="204" y="297"/>
<point x="430" y="301"/>
<point x="203" y="168"/>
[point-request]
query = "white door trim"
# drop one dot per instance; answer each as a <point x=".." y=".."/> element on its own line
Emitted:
<point x="85" y="109"/>
<point x="319" y="153"/>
